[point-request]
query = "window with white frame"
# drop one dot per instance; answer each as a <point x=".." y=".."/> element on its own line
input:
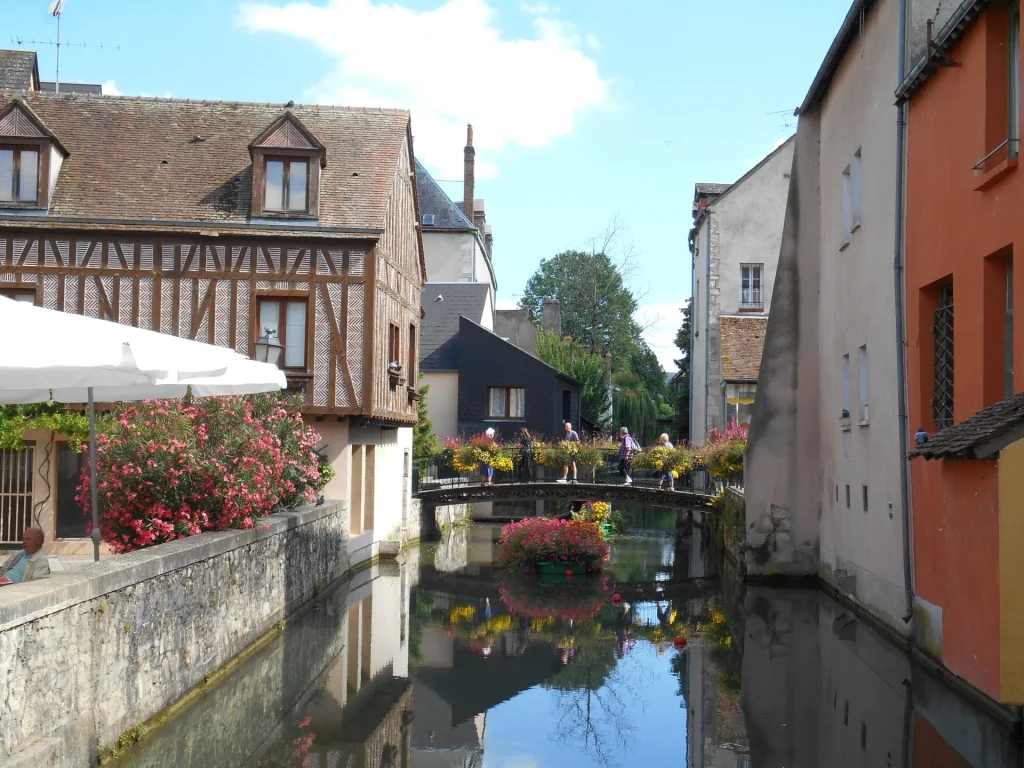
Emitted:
<point x="751" y="286"/>
<point x="864" y="384"/>
<point x="506" y="403"/>
<point x="19" y="174"/>
<point x="847" y="206"/>
<point x="287" y="318"/>
<point x="846" y="386"/>
<point x="855" y="182"/>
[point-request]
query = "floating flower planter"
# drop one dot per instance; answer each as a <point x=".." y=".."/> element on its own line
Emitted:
<point x="560" y="569"/>
<point x="552" y="546"/>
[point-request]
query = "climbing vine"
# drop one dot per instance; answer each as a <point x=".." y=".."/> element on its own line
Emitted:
<point x="16" y="420"/>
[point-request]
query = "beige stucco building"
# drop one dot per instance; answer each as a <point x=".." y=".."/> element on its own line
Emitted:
<point x="735" y="250"/>
<point x="824" y="482"/>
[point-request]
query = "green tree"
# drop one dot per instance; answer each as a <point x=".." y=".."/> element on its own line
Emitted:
<point x="573" y="359"/>
<point x="682" y="378"/>
<point x="634" y="407"/>
<point x="424" y="441"/>
<point x="596" y="304"/>
<point x="645" y="364"/>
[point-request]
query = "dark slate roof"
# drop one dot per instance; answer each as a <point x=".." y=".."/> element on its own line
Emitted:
<point x="433" y="200"/>
<point x="439" y="329"/>
<point x="49" y="86"/>
<point x="16" y="70"/>
<point x="981" y="436"/>
<point x="137" y="159"/>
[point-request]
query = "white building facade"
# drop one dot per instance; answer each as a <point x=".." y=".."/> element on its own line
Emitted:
<point x="735" y="245"/>
<point x="824" y="491"/>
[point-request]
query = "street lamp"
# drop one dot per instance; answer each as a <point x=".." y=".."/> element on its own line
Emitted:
<point x="268" y="348"/>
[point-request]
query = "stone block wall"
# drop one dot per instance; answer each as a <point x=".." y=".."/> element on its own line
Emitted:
<point x="94" y="652"/>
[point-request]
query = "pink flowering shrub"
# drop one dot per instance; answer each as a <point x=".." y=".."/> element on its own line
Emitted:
<point x="168" y="469"/>
<point x="723" y="451"/>
<point x="537" y="540"/>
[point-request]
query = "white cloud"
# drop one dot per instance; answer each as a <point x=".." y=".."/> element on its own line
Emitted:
<point x="592" y="42"/>
<point x="661" y="322"/>
<point x="506" y="304"/>
<point x="538" y="9"/>
<point x="110" y="88"/>
<point x="450" y="66"/>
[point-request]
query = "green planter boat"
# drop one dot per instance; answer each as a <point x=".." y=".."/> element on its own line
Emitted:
<point x="559" y="569"/>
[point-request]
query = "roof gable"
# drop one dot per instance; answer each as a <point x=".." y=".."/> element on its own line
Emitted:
<point x="443" y="305"/>
<point x="288" y="132"/>
<point x="171" y="161"/>
<point x="18" y="121"/>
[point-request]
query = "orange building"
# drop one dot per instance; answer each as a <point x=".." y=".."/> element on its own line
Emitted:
<point x="964" y="226"/>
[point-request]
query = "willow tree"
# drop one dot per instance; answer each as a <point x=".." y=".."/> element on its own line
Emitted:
<point x="573" y="359"/>
<point x="634" y="407"/>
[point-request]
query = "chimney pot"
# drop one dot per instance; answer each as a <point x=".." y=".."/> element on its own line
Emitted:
<point x="469" y="175"/>
<point x="551" y="316"/>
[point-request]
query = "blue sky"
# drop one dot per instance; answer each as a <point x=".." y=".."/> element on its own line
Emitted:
<point x="585" y="112"/>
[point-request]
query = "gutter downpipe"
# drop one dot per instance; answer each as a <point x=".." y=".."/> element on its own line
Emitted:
<point x="901" y="373"/>
<point x="693" y="323"/>
<point x="707" y="321"/>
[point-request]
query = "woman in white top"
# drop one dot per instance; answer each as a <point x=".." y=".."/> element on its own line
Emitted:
<point x="666" y="473"/>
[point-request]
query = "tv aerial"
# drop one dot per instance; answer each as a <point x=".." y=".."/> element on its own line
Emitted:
<point x="57" y="10"/>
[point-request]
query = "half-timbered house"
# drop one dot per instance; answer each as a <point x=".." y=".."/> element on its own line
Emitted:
<point x="216" y="221"/>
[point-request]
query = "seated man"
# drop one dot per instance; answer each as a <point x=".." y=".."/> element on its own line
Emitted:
<point x="30" y="563"/>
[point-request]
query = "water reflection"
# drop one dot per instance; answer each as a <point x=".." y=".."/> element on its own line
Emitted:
<point x="444" y="662"/>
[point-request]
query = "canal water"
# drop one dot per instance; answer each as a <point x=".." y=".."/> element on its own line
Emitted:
<point x="444" y="662"/>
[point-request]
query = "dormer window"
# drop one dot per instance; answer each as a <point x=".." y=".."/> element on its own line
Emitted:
<point x="28" y="152"/>
<point x="19" y="174"/>
<point x="286" y="164"/>
<point x="287" y="185"/>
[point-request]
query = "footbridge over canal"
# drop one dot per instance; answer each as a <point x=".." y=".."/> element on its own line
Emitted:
<point x="437" y="493"/>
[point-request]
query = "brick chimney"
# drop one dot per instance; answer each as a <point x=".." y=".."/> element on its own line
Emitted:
<point x="551" y="316"/>
<point x="468" y="178"/>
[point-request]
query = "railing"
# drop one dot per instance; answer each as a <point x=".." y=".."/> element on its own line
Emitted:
<point x="1012" y="147"/>
<point x="438" y="472"/>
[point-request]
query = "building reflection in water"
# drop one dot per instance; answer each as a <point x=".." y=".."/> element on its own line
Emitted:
<point x="439" y="660"/>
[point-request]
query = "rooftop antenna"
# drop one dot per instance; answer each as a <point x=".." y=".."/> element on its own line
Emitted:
<point x="56" y="10"/>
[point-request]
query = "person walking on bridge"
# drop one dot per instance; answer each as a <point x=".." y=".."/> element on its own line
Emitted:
<point x="666" y="473"/>
<point x="524" y="461"/>
<point x="628" y="449"/>
<point x="570" y="437"/>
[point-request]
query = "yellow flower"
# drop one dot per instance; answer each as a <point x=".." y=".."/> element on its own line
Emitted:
<point x="502" y="463"/>
<point x="460" y="613"/>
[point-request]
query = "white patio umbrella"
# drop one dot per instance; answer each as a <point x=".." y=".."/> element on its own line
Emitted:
<point x="75" y="359"/>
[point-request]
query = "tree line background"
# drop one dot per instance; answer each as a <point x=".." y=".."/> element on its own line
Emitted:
<point x="598" y="307"/>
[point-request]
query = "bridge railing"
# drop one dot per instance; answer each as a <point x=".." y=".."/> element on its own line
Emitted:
<point x="439" y="472"/>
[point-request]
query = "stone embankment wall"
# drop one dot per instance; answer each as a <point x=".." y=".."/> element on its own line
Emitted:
<point x="89" y="654"/>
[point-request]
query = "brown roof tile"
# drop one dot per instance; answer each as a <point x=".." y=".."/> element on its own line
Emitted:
<point x="980" y="436"/>
<point x="136" y="158"/>
<point x="742" y="344"/>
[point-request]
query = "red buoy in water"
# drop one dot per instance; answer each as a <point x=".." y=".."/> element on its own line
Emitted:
<point x="680" y="641"/>
<point x="616" y="598"/>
